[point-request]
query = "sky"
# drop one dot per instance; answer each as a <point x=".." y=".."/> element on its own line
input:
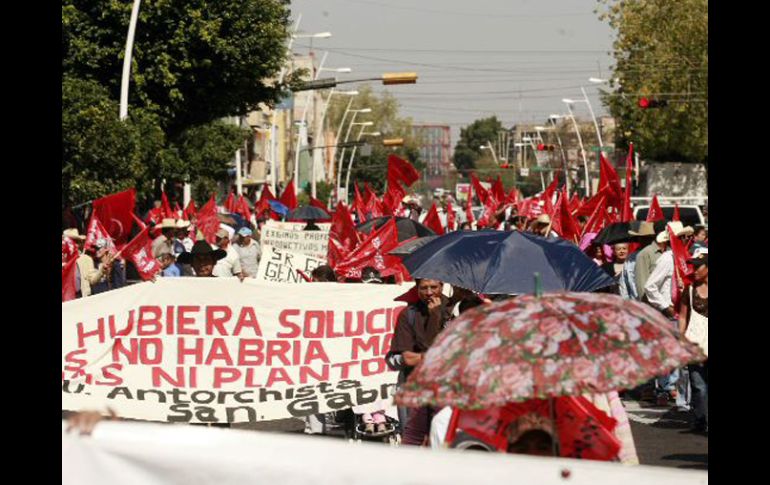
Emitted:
<point x="515" y="59"/>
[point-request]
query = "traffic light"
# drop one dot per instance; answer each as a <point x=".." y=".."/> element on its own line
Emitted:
<point x="646" y="103"/>
<point x="506" y="165"/>
<point x="542" y="147"/>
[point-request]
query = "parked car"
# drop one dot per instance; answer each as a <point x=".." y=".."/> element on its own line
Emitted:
<point x="690" y="215"/>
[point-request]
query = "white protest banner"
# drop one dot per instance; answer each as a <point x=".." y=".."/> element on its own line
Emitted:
<point x="280" y="266"/>
<point x="296" y="226"/>
<point x="130" y="453"/>
<point x="210" y="350"/>
<point x="310" y="243"/>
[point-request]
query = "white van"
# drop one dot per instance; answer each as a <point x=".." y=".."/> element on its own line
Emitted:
<point x="690" y="215"/>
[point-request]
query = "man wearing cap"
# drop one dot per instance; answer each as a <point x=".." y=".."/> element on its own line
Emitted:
<point x="167" y="229"/>
<point x="249" y="252"/>
<point x="230" y="265"/>
<point x="658" y="294"/>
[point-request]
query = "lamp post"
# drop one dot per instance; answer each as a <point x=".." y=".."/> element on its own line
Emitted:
<point x="362" y="124"/>
<point x="353" y="155"/>
<point x="565" y="165"/>
<point x="582" y="150"/>
<point x="127" y="60"/>
<point x="317" y="155"/>
<point x="489" y="147"/>
<point x="347" y="137"/>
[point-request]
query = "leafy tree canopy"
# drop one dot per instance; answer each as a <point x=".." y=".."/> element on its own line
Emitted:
<point x="473" y="136"/>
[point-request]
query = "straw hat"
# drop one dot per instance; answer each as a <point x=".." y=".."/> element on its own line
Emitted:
<point x="543" y="219"/>
<point x="182" y="224"/>
<point x="167" y="224"/>
<point x="677" y="228"/>
<point x="645" y="229"/>
<point x="73" y="233"/>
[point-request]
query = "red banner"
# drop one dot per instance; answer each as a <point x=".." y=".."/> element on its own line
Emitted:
<point x="115" y="212"/>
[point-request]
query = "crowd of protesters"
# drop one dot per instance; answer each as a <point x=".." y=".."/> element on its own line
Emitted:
<point x="642" y="267"/>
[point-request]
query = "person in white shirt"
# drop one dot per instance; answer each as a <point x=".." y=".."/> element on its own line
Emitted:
<point x="658" y="294"/>
<point x="249" y="252"/>
<point x="230" y="265"/>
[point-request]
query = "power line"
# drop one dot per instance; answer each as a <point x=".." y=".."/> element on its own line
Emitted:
<point x="469" y="14"/>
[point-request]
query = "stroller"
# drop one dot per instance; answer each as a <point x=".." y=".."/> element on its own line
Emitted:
<point x="353" y="428"/>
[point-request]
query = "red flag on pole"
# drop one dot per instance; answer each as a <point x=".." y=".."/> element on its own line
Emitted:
<point x="95" y="232"/>
<point x="401" y="170"/>
<point x="393" y="197"/>
<point x="562" y="222"/>
<point x="551" y="189"/>
<point x="608" y="177"/>
<point x="207" y="221"/>
<point x="490" y="209"/>
<point x="289" y="197"/>
<point x="450" y="217"/>
<point x="598" y="217"/>
<point x="359" y="206"/>
<point x="626" y="215"/>
<point x="512" y="197"/>
<point x="373" y="251"/>
<point x="676" y="212"/>
<point x="69" y="250"/>
<point x="498" y="190"/>
<point x="68" y="283"/>
<point x="115" y="211"/>
<point x="165" y="206"/>
<point x="432" y="220"/>
<point x="343" y="229"/>
<point x="242" y="208"/>
<point x="655" y="213"/>
<point x="139" y="222"/>
<point x="189" y="211"/>
<point x="682" y="272"/>
<point x="230" y="203"/>
<point x="139" y="252"/>
<point x="481" y="192"/>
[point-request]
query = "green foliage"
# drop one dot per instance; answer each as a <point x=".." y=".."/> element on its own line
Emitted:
<point x="661" y="51"/>
<point x="373" y="168"/>
<point x="101" y="154"/>
<point x="473" y="136"/>
<point x="194" y="61"/>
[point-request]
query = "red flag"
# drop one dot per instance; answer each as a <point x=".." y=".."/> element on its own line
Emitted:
<point x="189" y="211"/>
<point x="69" y="250"/>
<point x="481" y="192"/>
<point x="115" y="212"/>
<point x="304" y="275"/>
<point x="608" y="177"/>
<point x="207" y="220"/>
<point x="676" y="212"/>
<point x="289" y="197"/>
<point x="490" y="209"/>
<point x="335" y="253"/>
<point x="242" y="208"/>
<point x="432" y="220"/>
<point x="139" y="222"/>
<point x="373" y="251"/>
<point x="468" y="212"/>
<point x="372" y="204"/>
<point x="598" y="217"/>
<point x="512" y="197"/>
<point x="551" y="189"/>
<point x="588" y="207"/>
<point x="682" y="272"/>
<point x="562" y="222"/>
<point x="95" y="232"/>
<point x="626" y="214"/>
<point x="139" y="252"/>
<point x="655" y="213"/>
<point x="266" y="193"/>
<point x="401" y="170"/>
<point x="230" y="203"/>
<point x="68" y="283"/>
<point x="498" y="190"/>
<point x="342" y="228"/>
<point x="359" y="206"/>
<point x="393" y="197"/>
<point x="165" y="206"/>
<point x="450" y="217"/>
<point x="574" y="203"/>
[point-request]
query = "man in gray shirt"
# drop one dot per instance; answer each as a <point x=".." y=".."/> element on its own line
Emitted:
<point x="249" y="252"/>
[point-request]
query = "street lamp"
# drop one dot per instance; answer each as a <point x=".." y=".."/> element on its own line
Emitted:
<point x="319" y="35"/>
<point x="585" y="100"/>
<point x="388" y="79"/>
<point x="489" y="147"/>
<point x="316" y="155"/>
<point x="580" y="142"/>
<point x="561" y="148"/>
<point x="353" y="155"/>
<point x="335" y="69"/>
<point x="347" y="137"/>
<point x="127" y="60"/>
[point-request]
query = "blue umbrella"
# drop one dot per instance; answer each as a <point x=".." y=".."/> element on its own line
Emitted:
<point x="278" y="207"/>
<point x="495" y="262"/>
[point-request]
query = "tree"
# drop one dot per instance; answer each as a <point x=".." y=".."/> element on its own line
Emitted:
<point x="373" y="168"/>
<point x="101" y="154"/>
<point x="194" y="61"/>
<point x="473" y="136"/>
<point x="661" y="52"/>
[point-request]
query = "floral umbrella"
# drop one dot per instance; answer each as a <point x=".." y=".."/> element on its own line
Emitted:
<point x="536" y="347"/>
